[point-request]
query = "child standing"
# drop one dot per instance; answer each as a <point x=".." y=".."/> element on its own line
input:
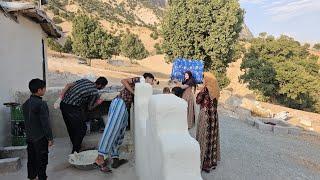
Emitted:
<point x="38" y="130"/>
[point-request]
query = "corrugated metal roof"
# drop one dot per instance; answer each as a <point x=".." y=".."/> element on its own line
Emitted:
<point x="33" y="13"/>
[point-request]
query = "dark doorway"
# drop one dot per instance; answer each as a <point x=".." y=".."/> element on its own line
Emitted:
<point x="43" y="62"/>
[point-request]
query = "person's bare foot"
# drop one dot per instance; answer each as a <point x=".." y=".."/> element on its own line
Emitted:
<point x="102" y="164"/>
<point x="99" y="160"/>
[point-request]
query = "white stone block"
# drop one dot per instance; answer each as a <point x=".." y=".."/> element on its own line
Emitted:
<point x="250" y="121"/>
<point x="179" y="161"/>
<point x="169" y="113"/>
<point x="279" y="130"/>
<point x="13" y="152"/>
<point x="143" y="93"/>
<point x="295" y="131"/>
<point x="263" y="127"/>
<point x="173" y="153"/>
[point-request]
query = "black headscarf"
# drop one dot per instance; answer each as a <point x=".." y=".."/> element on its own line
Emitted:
<point x="191" y="82"/>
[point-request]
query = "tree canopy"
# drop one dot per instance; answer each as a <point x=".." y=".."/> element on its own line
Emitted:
<point x="90" y="40"/>
<point x="200" y="29"/>
<point x="132" y="47"/>
<point x="283" y="71"/>
<point x="316" y="46"/>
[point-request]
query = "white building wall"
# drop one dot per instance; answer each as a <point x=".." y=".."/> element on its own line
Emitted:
<point x="21" y="61"/>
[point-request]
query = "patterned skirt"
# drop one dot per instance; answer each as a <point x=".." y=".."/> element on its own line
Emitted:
<point x="208" y="138"/>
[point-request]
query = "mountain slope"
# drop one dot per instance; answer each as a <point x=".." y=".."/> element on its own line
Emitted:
<point x="246" y="34"/>
<point x="141" y="17"/>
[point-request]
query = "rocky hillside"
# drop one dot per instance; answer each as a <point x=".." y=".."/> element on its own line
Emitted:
<point x="246" y="34"/>
<point x="141" y="17"/>
<point x="161" y="3"/>
<point x="116" y="16"/>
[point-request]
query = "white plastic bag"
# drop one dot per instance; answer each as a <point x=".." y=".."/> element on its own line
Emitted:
<point x="56" y="105"/>
<point x="142" y="80"/>
<point x="90" y="76"/>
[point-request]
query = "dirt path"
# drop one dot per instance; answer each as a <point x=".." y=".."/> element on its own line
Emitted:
<point x="60" y="169"/>
<point x="247" y="154"/>
<point x="65" y="69"/>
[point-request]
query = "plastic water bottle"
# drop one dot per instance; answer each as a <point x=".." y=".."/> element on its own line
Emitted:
<point x="142" y="80"/>
<point x="88" y="127"/>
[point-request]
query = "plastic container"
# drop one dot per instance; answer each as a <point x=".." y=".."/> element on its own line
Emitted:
<point x="18" y="135"/>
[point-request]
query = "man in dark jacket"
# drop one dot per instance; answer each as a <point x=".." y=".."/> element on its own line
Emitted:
<point x="38" y="130"/>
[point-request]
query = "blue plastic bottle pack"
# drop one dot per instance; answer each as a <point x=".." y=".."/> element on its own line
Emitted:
<point x="181" y="65"/>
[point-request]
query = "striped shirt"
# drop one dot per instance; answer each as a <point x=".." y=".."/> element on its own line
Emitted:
<point x="82" y="93"/>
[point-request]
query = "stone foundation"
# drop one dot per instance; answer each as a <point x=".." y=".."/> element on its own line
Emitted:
<point x="10" y="165"/>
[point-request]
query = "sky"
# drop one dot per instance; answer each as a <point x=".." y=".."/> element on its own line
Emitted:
<point x="299" y="19"/>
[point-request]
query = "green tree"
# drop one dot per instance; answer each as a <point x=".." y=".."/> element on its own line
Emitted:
<point x="154" y="35"/>
<point x="116" y="42"/>
<point x="239" y="49"/>
<point x="67" y="48"/>
<point x="132" y="47"/>
<point x="307" y="45"/>
<point x="283" y="71"/>
<point x="100" y="44"/>
<point x="263" y="34"/>
<point x="55" y="46"/>
<point x="90" y="40"/>
<point x="207" y="30"/>
<point x="316" y="46"/>
<point x="82" y="27"/>
<point x="57" y="20"/>
<point x="158" y="48"/>
<point x="55" y="11"/>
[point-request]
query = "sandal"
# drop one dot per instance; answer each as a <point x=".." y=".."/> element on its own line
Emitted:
<point x="103" y="167"/>
<point x="118" y="162"/>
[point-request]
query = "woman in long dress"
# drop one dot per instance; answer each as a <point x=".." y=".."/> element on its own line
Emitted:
<point x="188" y="85"/>
<point x="208" y="127"/>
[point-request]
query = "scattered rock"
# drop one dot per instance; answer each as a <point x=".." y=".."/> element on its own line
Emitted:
<point x="306" y="122"/>
<point x="284" y="115"/>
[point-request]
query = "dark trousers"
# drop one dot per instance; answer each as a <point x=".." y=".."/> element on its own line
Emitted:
<point x="129" y="122"/>
<point x="37" y="159"/>
<point x="74" y="119"/>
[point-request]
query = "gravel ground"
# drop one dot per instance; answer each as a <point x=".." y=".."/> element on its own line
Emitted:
<point x="60" y="169"/>
<point x="248" y="154"/>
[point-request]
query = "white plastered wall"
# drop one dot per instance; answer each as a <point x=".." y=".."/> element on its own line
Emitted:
<point x="21" y="60"/>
